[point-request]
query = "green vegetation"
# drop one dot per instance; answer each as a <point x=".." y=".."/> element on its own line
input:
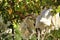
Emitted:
<point x="13" y="12"/>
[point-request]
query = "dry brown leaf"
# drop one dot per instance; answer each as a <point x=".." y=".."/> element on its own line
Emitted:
<point x="10" y="11"/>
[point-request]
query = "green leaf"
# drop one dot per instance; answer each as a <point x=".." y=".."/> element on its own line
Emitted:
<point x="58" y="9"/>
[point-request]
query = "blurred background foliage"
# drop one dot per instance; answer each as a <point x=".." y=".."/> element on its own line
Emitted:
<point x="15" y="11"/>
